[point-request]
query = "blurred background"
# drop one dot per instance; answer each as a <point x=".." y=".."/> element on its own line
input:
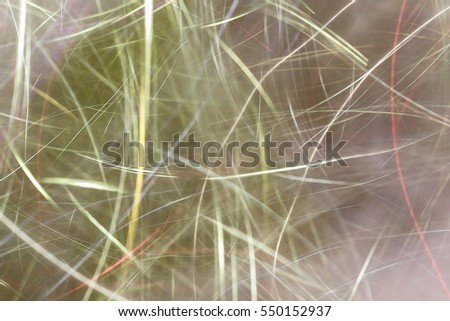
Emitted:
<point x="76" y="74"/>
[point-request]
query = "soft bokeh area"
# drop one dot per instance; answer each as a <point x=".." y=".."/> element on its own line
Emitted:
<point x="77" y="74"/>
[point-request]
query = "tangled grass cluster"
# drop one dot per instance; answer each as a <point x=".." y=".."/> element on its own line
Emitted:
<point x="76" y="74"/>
